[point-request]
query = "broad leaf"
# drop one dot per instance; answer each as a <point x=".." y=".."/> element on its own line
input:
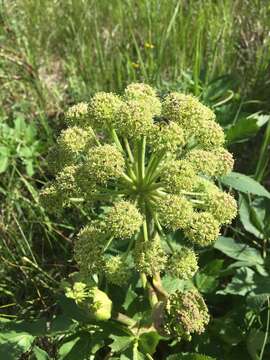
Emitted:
<point x="14" y="344"/>
<point x="40" y="354"/>
<point x="245" y="184"/>
<point x="238" y="251"/>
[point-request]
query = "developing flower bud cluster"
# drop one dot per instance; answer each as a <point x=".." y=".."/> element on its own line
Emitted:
<point x="145" y="167"/>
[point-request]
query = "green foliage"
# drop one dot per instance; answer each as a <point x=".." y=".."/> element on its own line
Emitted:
<point x="56" y="53"/>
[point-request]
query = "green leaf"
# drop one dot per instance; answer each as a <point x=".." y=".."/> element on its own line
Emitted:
<point x="77" y="347"/>
<point x="238" y="251"/>
<point x="242" y="129"/>
<point x="13" y="344"/>
<point x="189" y="356"/>
<point x="242" y="283"/>
<point x="62" y="324"/>
<point x="255" y="342"/>
<point x="148" y="342"/>
<point x="206" y="283"/>
<point x="40" y="354"/>
<point x="120" y="342"/>
<point x="246" y="218"/>
<point x="245" y="184"/>
<point x="4" y="162"/>
<point x="172" y="284"/>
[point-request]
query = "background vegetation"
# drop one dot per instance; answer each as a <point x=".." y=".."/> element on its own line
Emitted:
<point x="56" y="53"/>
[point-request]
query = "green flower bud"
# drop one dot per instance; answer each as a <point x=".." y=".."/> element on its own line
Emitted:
<point x="178" y="175"/>
<point x="88" y="249"/>
<point x="167" y="137"/>
<point x="103" y="109"/>
<point x="95" y="303"/>
<point x="185" y="110"/>
<point x="100" y="305"/>
<point x="78" y="292"/>
<point x="185" y="313"/>
<point x="203" y="229"/>
<point x="144" y="92"/>
<point x="209" y="135"/>
<point x="117" y="270"/>
<point x="77" y="115"/>
<point x="123" y="220"/>
<point x="182" y="264"/>
<point x="225" y="161"/>
<point x="221" y="205"/>
<point x="149" y="257"/>
<point x="134" y="119"/>
<point x="203" y="162"/>
<point x="50" y="199"/>
<point x="174" y="211"/>
<point x="104" y="163"/>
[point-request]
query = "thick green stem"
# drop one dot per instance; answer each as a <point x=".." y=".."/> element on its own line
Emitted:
<point x="141" y="159"/>
<point x="153" y="165"/>
<point x="116" y="139"/>
<point x="128" y="149"/>
<point x="125" y="320"/>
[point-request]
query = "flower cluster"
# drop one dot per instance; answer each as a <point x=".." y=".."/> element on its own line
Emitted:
<point x="139" y="167"/>
<point x="184" y="314"/>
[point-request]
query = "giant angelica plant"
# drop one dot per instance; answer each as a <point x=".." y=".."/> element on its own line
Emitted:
<point x="142" y="170"/>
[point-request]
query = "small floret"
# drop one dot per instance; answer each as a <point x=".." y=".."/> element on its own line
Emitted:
<point x="178" y="175"/>
<point x="174" y="211"/>
<point x="203" y="229"/>
<point x="123" y="220"/>
<point x="117" y="270"/>
<point x="77" y="115"/>
<point x="103" y="109"/>
<point x="144" y="92"/>
<point x="149" y="257"/>
<point x="167" y="137"/>
<point x="182" y="264"/>
<point x="104" y="163"/>
<point x="134" y="119"/>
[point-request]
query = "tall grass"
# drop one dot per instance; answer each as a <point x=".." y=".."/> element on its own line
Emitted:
<point x="90" y="45"/>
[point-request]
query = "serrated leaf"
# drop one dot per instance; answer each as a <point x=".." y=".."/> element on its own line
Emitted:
<point x="238" y="251"/>
<point x="120" y="342"/>
<point x="171" y="284"/>
<point x="242" y="283"/>
<point x="245" y="184"/>
<point x="206" y="283"/>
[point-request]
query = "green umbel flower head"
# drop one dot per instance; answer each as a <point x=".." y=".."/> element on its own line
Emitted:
<point x="149" y="257"/>
<point x="77" y="115"/>
<point x="103" y="109"/>
<point x="182" y="264"/>
<point x="104" y="163"/>
<point x="185" y="313"/>
<point x="123" y="220"/>
<point x="140" y="168"/>
<point x="117" y="270"/>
